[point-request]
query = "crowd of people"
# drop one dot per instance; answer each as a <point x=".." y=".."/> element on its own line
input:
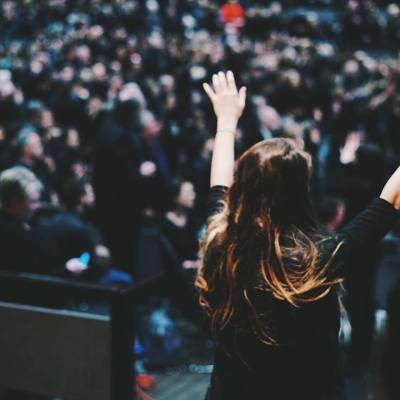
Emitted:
<point x="104" y="125"/>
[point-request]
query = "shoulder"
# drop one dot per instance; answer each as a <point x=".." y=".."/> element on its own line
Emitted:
<point x="216" y="199"/>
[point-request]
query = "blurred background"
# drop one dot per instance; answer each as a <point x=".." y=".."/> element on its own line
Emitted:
<point x="106" y="140"/>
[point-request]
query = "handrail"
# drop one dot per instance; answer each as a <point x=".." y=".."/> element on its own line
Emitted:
<point x="25" y="287"/>
<point x="67" y="285"/>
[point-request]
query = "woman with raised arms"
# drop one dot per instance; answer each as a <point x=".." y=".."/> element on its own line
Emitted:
<point x="270" y="278"/>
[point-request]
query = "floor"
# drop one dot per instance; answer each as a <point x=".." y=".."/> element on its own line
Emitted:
<point x="180" y="385"/>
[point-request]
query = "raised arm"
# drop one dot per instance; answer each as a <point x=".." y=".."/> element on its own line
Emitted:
<point x="391" y="191"/>
<point x="372" y="224"/>
<point x="228" y="105"/>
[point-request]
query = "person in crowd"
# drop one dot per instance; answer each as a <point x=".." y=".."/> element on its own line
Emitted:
<point x="232" y="13"/>
<point x="117" y="180"/>
<point x="33" y="157"/>
<point x="23" y="248"/>
<point x="156" y="159"/>
<point x="178" y="225"/>
<point x="75" y="235"/>
<point x="269" y="279"/>
<point x="363" y="173"/>
<point x="180" y="243"/>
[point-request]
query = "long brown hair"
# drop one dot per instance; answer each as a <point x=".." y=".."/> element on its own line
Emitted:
<point x="264" y="239"/>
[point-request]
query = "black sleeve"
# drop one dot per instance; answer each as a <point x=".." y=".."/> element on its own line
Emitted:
<point x="370" y="226"/>
<point x="215" y="200"/>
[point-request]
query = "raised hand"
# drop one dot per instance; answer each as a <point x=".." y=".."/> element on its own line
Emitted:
<point x="228" y="105"/>
<point x="227" y="101"/>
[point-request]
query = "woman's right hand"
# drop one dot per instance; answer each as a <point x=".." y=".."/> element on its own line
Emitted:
<point x="227" y="101"/>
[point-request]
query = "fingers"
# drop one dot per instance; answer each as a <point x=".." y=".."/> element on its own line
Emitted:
<point x="216" y="84"/>
<point x="242" y="96"/>
<point x="222" y="81"/>
<point x="209" y="91"/>
<point x="230" y="78"/>
<point x="225" y="83"/>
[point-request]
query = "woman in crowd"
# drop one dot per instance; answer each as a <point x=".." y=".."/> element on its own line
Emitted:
<point x="180" y="244"/>
<point x="178" y="224"/>
<point x="270" y="279"/>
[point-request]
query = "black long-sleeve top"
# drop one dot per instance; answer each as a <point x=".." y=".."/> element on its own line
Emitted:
<point x="305" y="363"/>
<point x="26" y="249"/>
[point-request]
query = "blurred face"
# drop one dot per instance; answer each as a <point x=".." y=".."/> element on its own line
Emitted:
<point x="99" y="71"/>
<point x="26" y="206"/>
<point x="34" y="147"/>
<point x="73" y="138"/>
<point x="187" y="196"/>
<point x="88" y="198"/>
<point x="46" y="119"/>
<point x="269" y="118"/>
<point x="79" y="169"/>
<point x="351" y="68"/>
<point x="152" y="129"/>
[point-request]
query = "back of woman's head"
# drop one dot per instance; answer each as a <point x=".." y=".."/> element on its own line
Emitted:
<point x="264" y="239"/>
<point x="272" y="178"/>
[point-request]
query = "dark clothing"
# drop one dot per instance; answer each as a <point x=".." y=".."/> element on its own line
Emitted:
<point x="184" y="239"/>
<point x="305" y="363"/>
<point x="73" y="235"/>
<point x="119" y="190"/>
<point x="25" y="249"/>
<point x="180" y="243"/>
<point x="116" y="179"/>
<point x="357" y="184"/>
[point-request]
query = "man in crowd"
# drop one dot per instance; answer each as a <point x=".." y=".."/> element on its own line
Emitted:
<point x="22" y="247"/>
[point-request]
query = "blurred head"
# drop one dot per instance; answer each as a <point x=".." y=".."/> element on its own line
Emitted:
<point x="182" y="194"/>
<point x="264" y="239"/>
<point x="273" y="177"/>
<point x="127" y="113"/>
<point x="151" y="128"/>
<point x="269" y="117"/>
<point x="78" y="195"/>
<point x="34" y="109"/>
<point x="46" y="119"/>
<point x="351" y="68"/>
<point x="393" y="10"/>
<point x="72" y="139"/>
<point x="20" y="192"/>
<point x="30" y="144"/>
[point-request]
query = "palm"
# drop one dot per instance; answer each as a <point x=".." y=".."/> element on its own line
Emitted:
<point x="227" y="101"/>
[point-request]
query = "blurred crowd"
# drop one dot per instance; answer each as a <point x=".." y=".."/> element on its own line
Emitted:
<point x="103" y="114"/>
<point x="102" y="102"/>
<point x="106" y="135"/>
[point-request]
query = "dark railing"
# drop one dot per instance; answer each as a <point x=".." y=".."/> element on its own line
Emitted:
<point x="53" y="292"/>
